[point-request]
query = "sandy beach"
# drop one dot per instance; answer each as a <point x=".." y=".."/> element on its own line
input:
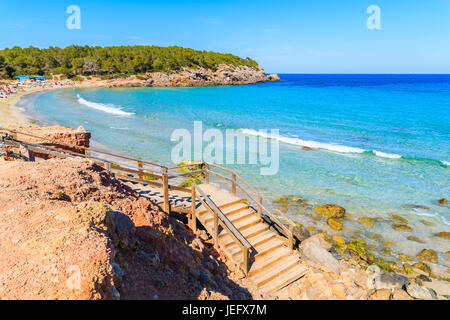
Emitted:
<point x="10" y="115"/>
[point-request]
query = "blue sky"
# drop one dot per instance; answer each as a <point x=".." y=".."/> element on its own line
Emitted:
<point x="285" y="36"/>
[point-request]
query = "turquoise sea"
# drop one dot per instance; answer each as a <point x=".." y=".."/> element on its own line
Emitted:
<point x="380" y="141"/>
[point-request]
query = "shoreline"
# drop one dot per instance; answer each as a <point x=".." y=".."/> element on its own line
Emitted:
<point x="333" y="237"/>
<point x="304" y="212"/>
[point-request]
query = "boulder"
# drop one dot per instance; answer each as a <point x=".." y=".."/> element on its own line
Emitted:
<point x="273" y="77"/>
<point x="312" y="251"/>
<point x="399" y="294"/>
<point x="418" y="292"/>
<point x="358" y="248"/>
<point x="338" y="239"/>
<point x="389" y="281"/>
<point x="383" y="294"/>
<point x="56" y="136"/>
<point x="300" y="232"/>
<point x="428" y="255"/>
<point x="443" y="201"/>
<point x="423" y="267"/>
<point x="330" y="211"/>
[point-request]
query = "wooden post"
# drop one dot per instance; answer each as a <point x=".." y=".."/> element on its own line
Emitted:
<point x="207" y="173"/>
<point x="14" y="136"/>
<point x="233" y="185"/>
<point x="245" y="262"/>
<point x="216" y="230"/>
<point x="193" y="208"/>
<point x="165" y="180"/>
<point x="140" y="166"/>
<point x="108" y="166"/>
<point x="259" y="205"/>
<point x="291" y="237"/>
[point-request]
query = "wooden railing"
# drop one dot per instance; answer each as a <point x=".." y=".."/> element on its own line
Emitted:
<point x="154" y="174"/>
<point x="253" y="196"/>
<point x="220" y="220"/>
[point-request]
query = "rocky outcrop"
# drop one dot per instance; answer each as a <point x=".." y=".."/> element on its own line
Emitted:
<point x="70" y="230"/>
<point x="273" y="77"/>
<point x="314" y="249"/>
<point x="79" y="137"/>
<point x="428" y="255"/>
<point x="223" y="75"/>
<point x="330" y="211"/>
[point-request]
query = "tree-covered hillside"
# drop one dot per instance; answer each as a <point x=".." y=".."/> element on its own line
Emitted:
<point x="118" y="61"/>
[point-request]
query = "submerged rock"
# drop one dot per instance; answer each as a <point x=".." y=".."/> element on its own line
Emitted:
<point x="428" y="255"/>
<point x="367" y="222"/>
<point x="402" y="227"/>
<point x="399" y="218"/>
<point x="330" y="211"/>
<point x="358" y="248"/>
<point x="426" y="222"/>
<point x="422" y="266"/>
<point x="416" y="206"/>
<point x="338" y="239"/>
<point x="445" y="235"/>
<point x="416" y="239"/>
<point x="335" y="224"/>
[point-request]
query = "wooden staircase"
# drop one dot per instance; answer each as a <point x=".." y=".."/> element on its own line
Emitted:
<point x="265" y="253"/>
<point x="272" y="265"/>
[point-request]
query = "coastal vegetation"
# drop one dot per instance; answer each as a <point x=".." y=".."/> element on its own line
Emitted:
<point x="119" y="61"/>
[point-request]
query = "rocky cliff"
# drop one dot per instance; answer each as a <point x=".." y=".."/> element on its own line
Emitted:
<point x="70" y="230"/>
<point x="223" y="75"/>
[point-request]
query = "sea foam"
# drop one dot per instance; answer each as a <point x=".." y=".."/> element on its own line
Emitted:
<point x="108" y="108"/>
<point x="305" y="143"/>
<point x="320" y="145"/>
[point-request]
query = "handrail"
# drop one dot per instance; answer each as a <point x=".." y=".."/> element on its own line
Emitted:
<point x="287" y="231"/>
<point x="81" y="147"/>
<point x="237" y="176"/>
<point x="251" y="198"/>
<point x="165" y="177"/>
<point x="227" y="223"/>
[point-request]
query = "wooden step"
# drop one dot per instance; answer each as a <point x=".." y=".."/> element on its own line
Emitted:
<point x="268" y="247"/>
<point x="271" y="259"/>
<point x="221" y="207"/>
<point x="234" y="214"/>
<point x="248" y="222"/>
<point x="248" y="233"/>
<point x="262" y="238"/>
<point x="284" y="279"/>
<point x="274" y="271"/>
